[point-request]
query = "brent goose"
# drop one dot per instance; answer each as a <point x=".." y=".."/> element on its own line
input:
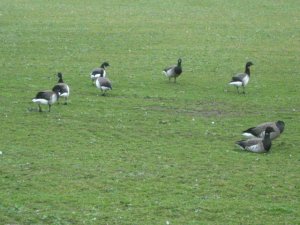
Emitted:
<point x="173" y="71"/>
<point x="241" y="79"/>
<point x="258" y="145"/>
<point x="259" y="130"/>
<point x="62" y="88"/>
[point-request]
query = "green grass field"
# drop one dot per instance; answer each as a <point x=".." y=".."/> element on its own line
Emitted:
<point x="150" y="152"/>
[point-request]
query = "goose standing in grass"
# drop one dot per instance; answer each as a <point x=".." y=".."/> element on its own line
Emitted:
<point x="241" y="79"/>
<point x="173" y="71"/>
<point x="259" y="130"/>
<point x="46" y="98"/>
<point x="103" y="84"/>
<point x="62" y="88"/>
<point x="99" y="72"/>
<point x="258" y="145"/>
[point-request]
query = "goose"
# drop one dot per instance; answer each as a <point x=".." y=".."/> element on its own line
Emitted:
<point x="259" y="130"/>
<point x="258" y="145"/>
<point x="100" y="71"/>
<point x="45" y="98"/>
<point x="173" y="71"/>
<point x="103" y="84"/>
<point x="241" y="79"/>
<point x="62" y="88"/>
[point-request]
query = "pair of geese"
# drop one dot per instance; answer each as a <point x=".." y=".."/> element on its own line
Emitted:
<point x="98" y="75"/>
<point x="239" y="80"/>
<point x="259" y="138"/>
<point x="48" y="97"/>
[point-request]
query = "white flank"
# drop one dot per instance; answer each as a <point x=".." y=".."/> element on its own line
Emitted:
<point x="168" y="73"/>
<point x="94" y="77"/>
<point x="104" y="88"/>
<point x="66" y="94"/>
<point x="40" y="101"/>
<point x="236" y="83"/>
<point x="254" y="148"/>
<point x="248" y="135"/>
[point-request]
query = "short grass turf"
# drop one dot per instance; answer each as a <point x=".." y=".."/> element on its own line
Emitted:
<point x="151" y="151"/>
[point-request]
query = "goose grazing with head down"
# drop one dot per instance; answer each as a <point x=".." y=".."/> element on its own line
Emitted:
<point x="99" y="72"/>
<point x="103" y="84"/>
<point x="241" y="79"/>
<point x="46" y="98"/>
<point x="259" y="130"/>
<point x="173" y="71"/>
<point x="258" y="145"/>
<point x="62" y="88"/>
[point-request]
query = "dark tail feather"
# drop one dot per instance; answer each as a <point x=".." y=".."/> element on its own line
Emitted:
<point x="250" y="130"/>
<point x="240" y="143"/>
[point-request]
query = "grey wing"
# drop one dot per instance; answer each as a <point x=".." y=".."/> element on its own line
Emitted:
<point x="252" y="141"/>
<point x="254" y="145"/>
<point x="257" y="131"/>
<point x="97" y="71"/>
<point x="169" y="68"/>
<point x="260" y="129"/>
<point x="239" y="77"/>
<point x="104" y="82"/>
<point x="61" y="88"/>
<point x="45" y="95"/>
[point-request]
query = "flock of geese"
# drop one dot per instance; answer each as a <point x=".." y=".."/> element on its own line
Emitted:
<point x="257" y="139"/>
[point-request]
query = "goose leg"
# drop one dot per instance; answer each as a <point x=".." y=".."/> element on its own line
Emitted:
<point x="49" y="107"/>
<point x="237" y="88"/>
<point x="244" y="90"/>
<point x="40" y="108"/>
<point x="66" y="99"/>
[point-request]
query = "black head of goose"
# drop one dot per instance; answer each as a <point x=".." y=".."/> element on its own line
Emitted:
<point x="46" y="98"/>
<point x="103" y="84"/>
<point x="173" y="71"/>
<point x="99" y="72"/>
<point x="257" y="145"/>
<point x="62" y="88"/>
<point x="259" y="130"/>
<point x="241" y="79"/>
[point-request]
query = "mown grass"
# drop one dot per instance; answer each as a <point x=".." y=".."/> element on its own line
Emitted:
<point x="151" y="152"/>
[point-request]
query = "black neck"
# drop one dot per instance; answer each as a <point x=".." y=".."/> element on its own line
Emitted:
<point x="267" y="142"/>
<point x="60" y="80"/>
<point x="247" y="70"/>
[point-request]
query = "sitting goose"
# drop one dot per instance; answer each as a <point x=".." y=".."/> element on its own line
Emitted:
<point x="99" y="72"/>
<point x="173" y="71"/>
<point x="259" y="130"/>
<point x="241" y="79"/>
<point x="103" y="84"/>
<point x="258" y="145"/>
<point x="62" y="88"/>
<point x="46" y="98"/>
